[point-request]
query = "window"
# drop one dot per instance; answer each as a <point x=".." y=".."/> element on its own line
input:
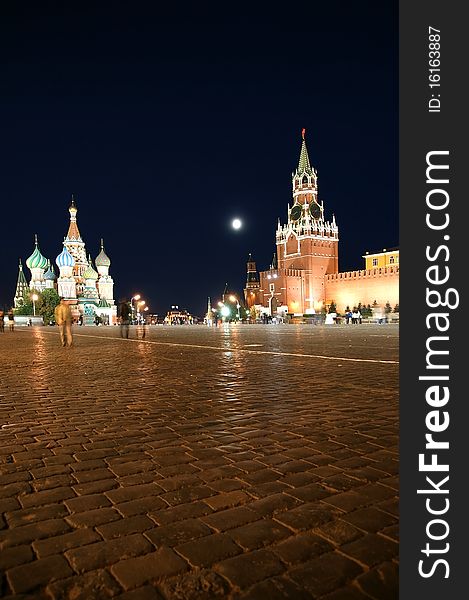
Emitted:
<point x="272" y="287"/>
<point x="391" y="260"/>
<point x="375" y="262"/>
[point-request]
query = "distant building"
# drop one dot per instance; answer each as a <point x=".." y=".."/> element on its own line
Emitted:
<point x="89" y="290"/>
<point x="304" y="274"/>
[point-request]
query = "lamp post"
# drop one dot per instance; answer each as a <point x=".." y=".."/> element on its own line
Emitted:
<point x="139" y="304"/>
<point x="132" y="310"/>
<point x="34" y="297"/>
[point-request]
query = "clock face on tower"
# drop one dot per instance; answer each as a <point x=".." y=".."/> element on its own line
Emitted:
<point x="295" y="213"/>
<point x="315" y="210"/>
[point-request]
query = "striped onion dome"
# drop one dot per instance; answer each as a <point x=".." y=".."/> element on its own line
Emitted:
<point x="102" y="260"/>
<point x="65" y="259"/>
<point x="89" y="272"/>
<point x="36" y="260"/>
<point x="103" y="303"/>
<point x="50" y="273"/>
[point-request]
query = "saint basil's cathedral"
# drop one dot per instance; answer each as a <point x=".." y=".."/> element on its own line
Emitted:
<point x="88" y="290"/>
<point x="304" y="276"/>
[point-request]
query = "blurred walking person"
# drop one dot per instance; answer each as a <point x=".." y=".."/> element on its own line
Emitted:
<point x="2" y="321"/>
<point x="63" y="318"/>
<point x="11" y="320"/>
<point x="124" y="315"/>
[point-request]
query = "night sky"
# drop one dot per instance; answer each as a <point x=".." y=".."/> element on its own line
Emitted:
<point x="166" y="127"/>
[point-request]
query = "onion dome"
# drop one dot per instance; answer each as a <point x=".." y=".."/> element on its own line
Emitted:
<point x="102" y="260"/>
<point x="50" y="273"/>
<point x="89" y="272"/>
<point x="103" y="303"/>
<point x="36" y="260"/>
<point x="65" y="259"/>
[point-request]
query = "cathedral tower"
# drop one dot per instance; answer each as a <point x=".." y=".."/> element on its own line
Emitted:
<point x="76" y="247"/>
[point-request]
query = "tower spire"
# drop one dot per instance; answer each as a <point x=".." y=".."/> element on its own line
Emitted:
<point x="303" y="163"/>
<point x="22" y="287"/>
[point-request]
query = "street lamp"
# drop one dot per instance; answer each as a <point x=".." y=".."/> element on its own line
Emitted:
<point x="34" y="297"/>
<point x="136" y="297"/>
<point x="139" y="304"/>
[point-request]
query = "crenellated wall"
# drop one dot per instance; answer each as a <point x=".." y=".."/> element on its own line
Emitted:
<point x="366" y="286"/>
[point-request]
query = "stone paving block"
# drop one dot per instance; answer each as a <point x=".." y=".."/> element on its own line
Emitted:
<point x="134" y="492"/>
<point x="14" y="489"/>
<point x="187" y="494"/>
<point x="270" y="505"/>
<point x="136" y="524"/>
<point x="93" y="475"/>
<point x="196" y="584"/>
<point x="49" y="483"/>
<point x="306" y="516"/>
<point x="371" y="549"/>
<point x="139" y="479"/>
<point x="28" y="577"/>
<point x="60" y="543"/>
<point x="203" y="552"/>
<point x="102" y="554"/>
<point x="88" y="465"/>
<point x="247" y="569"/>
<point x="227" y="500"/>
<point x="301" y="548"/>
<point x="308" y="493"/>
<point x="259" y="533"/>
<point x="347" y="501"/>
<point x="382" y="582"/>
<point x="9" y="505"/>
<point x="85" y="503"/>
<point x="15" y="477"/>
<point x="230" y="518"/>
<point x="31" y="515"/>
<point x="325" y="574"/>
<point x="46" y="497"/>
<point x="146" y="592"/>
<point x="17" y="555"/>
<point x="94" y="585"/>
<point x="141" y="506"/>
<point x="227" y="485"/>
<point x="275" y="588"/>
<point x="177" y="533"/>
<point x="95" y="487"/>
<point x="369" y="519"/>
<point x="351" y="592"/>
<point x="92" y="518"/>
<point x="35" y="531"/>
<point x="266" y="489"/>
<point x="50" y="471"/>
<point x="338" y="532"/>
<point x="138" y="571"/>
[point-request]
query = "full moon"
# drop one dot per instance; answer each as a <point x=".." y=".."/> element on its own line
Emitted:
<point x="236" y="223"/>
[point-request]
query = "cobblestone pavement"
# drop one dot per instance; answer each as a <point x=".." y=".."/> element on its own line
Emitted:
<point x="245" y="462"/>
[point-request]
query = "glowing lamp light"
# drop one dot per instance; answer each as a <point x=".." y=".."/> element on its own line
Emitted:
<point x="236" y="223"/>
<point x="225" y="311"/>
<point x="232" y="298"/>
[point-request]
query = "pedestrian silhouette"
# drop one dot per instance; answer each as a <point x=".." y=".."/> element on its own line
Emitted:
<point x="2" y="321"/>
<point x="63" y="318"/>
<point x="124" y="316"/>
<point x="11" y="320"/>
